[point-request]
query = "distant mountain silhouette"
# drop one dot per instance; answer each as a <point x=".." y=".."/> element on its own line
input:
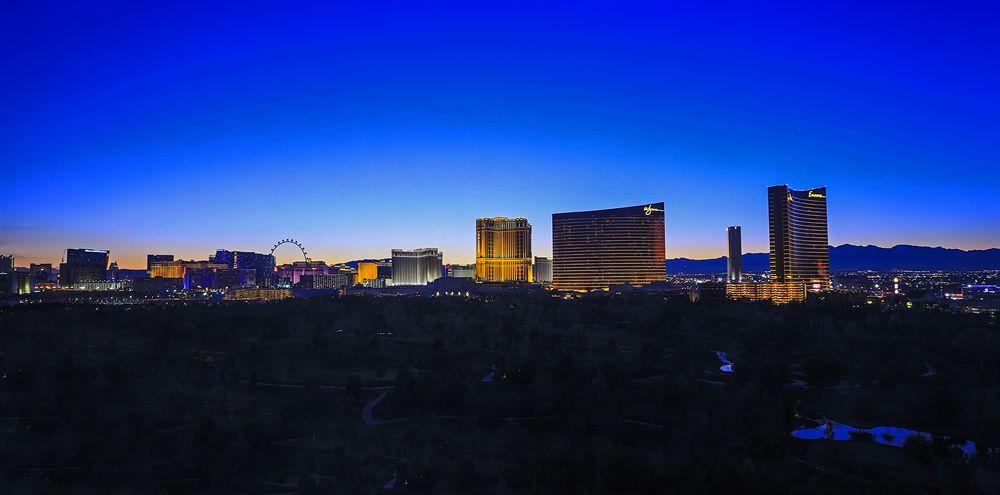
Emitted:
<point x="902" y="256"/>
<point x="851" y="257"/>
<point x="716" y="265"/>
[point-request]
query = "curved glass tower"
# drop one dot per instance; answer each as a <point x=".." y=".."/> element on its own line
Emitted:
<point x="800" y="250"/>
<point x="600" y="248"/>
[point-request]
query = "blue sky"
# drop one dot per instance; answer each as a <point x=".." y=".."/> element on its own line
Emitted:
<point x="360" y="127"/>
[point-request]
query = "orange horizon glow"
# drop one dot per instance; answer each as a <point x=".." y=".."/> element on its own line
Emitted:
<point x="130" y="259"/>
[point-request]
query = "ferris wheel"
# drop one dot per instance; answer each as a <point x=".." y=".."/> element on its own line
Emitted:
<point x="305" y="256"/>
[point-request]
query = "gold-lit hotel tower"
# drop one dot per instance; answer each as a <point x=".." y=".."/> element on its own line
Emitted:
<point x="367" y="270"/>
<point x="601" y="248"/>
<point x="503" y="249"/>
<point x="800" y="252"/>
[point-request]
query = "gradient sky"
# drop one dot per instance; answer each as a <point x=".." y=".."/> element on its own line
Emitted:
<point x="363" y="126"/>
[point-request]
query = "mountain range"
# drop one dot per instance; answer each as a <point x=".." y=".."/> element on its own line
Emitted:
<point x="848" y="257"/>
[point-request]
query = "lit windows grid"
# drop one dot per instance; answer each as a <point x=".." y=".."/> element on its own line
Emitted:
<point x="597" y="249"/>
<point x="799" y="236"/>
<point x="503" y="250"/>
<point x="415" y="267"/>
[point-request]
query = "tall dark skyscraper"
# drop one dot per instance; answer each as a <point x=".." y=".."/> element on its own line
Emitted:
<point x="800" y="250"/>
<point x="84" y="265"/>
<point x="6" y="267"/>
<point x="600" y="248"/>
<point x="6" y="264"/>
<point x="734" y="262"/>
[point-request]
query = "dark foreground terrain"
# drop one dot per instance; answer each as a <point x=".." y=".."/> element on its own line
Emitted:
<point x="448" y="395"/>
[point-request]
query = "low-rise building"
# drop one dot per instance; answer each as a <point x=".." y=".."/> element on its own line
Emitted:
<point x="97" y="285"/>
<point x="333" y="280"/>
<point x="542" y="270"/>
<point x="252" y="294"/>
<point x="776" y="292"/>
<point x="461" y="271"/>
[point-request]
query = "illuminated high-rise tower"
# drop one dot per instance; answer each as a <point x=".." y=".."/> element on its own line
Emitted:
<point x="734" y="262"/>
<point x="800" y="250"/>
<point x="503" y="250"/>
<point x="600" y="248"/>
<point x="367" y="270"/>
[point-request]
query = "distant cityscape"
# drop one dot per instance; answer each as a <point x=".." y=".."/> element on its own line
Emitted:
<point x="611" y="250"/>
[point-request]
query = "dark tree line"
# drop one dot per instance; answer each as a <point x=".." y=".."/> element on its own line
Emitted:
<point x="595" y="395"/>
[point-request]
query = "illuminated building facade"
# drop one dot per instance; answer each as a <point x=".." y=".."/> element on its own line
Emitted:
<point x="97" y="285"/>
<point x="204" y="276"/>
<point x="777" y="292"/>
<point x="415" y="267"/>
<point x="291" y="274"/>
<point x="336" y="279"/>
<point x="21" y="283"/>
<point x="263" y="264"/>
<point x="12" y="280"/>
<point x="374" y="273"/>
<point x="601" y="248"/>
<point x="800" y="250"/>
<point x="258" y="294"/>
<point x="367" y="270"/>
<point x="503" y="250"/>
<point x="461" y="271"/>
<point x="168" y="269"/>
<point x="378" y="283"/>
<point x="156" y="258"/>
<point x="84" y="265"/>
<point x="734" y="262"/>
<point x="197" y="274"/>
<point x="542" y="270"/>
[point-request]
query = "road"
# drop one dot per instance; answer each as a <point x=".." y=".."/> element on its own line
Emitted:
<point x="931" y="370"/>
<point x="489" y="376"/>
<point x="366" y="413"/>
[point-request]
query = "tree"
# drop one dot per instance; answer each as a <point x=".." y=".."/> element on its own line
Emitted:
<point x="982" y="344"/>
<point x="354" y="390"/>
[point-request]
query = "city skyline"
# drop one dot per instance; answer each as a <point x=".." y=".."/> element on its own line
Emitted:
<point x="499" y="247"/>
<point x="121" y="137"/>
<point x="137" y="261"/>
